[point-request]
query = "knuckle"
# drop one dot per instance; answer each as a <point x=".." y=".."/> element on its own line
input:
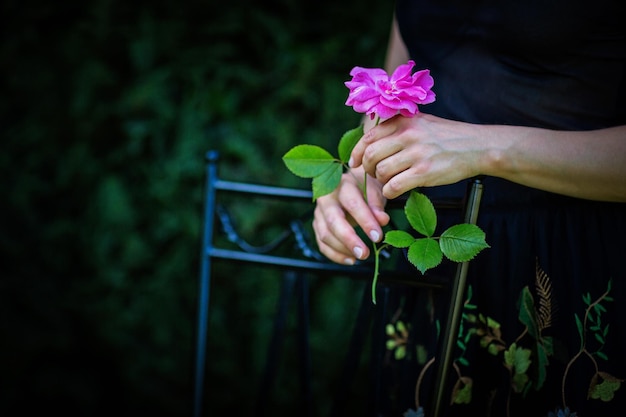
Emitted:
<point x="332" y="227"/>
<point x="352" y="205"/>
<point x="322" y="232"/>
<point x="421" y="168"/>
<point x="368" y="137"/>
<point x="382" y="171"/>
<point x="369" y="153"/>
<point x="316" y="226"/>
<point x="324" y="238"/>
<point x="394" y="186"/>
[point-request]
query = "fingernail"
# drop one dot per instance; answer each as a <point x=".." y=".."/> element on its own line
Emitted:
<point x="350" y="162"/>
<point x="374" y="235"/>
<point x="348" y="261"/>
<point x="358" y="252"/>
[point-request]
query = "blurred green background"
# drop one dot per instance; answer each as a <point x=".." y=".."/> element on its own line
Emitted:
<point x="107" y="110"/>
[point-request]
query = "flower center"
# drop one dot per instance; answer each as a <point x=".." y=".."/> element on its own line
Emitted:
<point x="390" y="88"/>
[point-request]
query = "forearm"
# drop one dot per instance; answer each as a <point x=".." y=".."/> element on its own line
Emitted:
<point x="590" y="164"/>
<point x="397" y="53"/>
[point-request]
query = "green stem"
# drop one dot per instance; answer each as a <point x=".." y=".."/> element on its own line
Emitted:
<point x="365" y="174"/>
<point x="377" y="250"/>
<point x="375" y="279"/>
<point x="365" y="185"/>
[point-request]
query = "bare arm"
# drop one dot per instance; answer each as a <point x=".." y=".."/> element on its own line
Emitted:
<point x="590" y="164"/>
<point x="397" y="53"/>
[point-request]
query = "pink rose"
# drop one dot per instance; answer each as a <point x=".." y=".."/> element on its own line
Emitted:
<point x="373" y="92"/>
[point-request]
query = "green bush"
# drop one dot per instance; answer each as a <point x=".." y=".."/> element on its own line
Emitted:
<point x="109" y="109"/>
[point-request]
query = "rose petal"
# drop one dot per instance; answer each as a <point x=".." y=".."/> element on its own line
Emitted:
<point x="403" y="71"/>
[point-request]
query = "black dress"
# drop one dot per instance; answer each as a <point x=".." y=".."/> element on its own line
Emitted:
<point x="549" y="295"/>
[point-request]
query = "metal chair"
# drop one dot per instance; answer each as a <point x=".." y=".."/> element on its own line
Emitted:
<point x="306" y="260"/>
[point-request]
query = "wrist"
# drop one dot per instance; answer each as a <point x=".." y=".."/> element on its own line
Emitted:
<point x="493" y="159"/>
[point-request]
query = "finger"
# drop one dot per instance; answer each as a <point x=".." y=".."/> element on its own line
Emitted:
<point x="377" y="132"/>
<point x="378" y="152"/>
<point x="367" y="214"/>
<point x="377" y="204"/>
<point x="389" y="166"/>
<point x="336" y="237"/>
<point x="401" y="183"/>
<point x="329" y="250"/>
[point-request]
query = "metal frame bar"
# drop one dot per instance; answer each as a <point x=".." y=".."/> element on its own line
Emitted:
<point x="455" y="311"/>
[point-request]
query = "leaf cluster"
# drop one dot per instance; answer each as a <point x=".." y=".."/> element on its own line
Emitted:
<point x="459" y="243"/>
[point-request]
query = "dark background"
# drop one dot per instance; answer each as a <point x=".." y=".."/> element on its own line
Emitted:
<point x="107" y="109"/>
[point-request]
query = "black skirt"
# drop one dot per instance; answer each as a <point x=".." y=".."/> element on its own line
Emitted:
<point x="544" y="324"/>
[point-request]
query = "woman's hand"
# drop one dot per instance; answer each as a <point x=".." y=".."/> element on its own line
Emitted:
<point x="337" y="214"/>
<point x="423" y="151"/>
<point x="405" y="153"/>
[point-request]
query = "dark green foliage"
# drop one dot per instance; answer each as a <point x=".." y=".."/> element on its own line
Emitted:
<point x="107" y="110"/>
